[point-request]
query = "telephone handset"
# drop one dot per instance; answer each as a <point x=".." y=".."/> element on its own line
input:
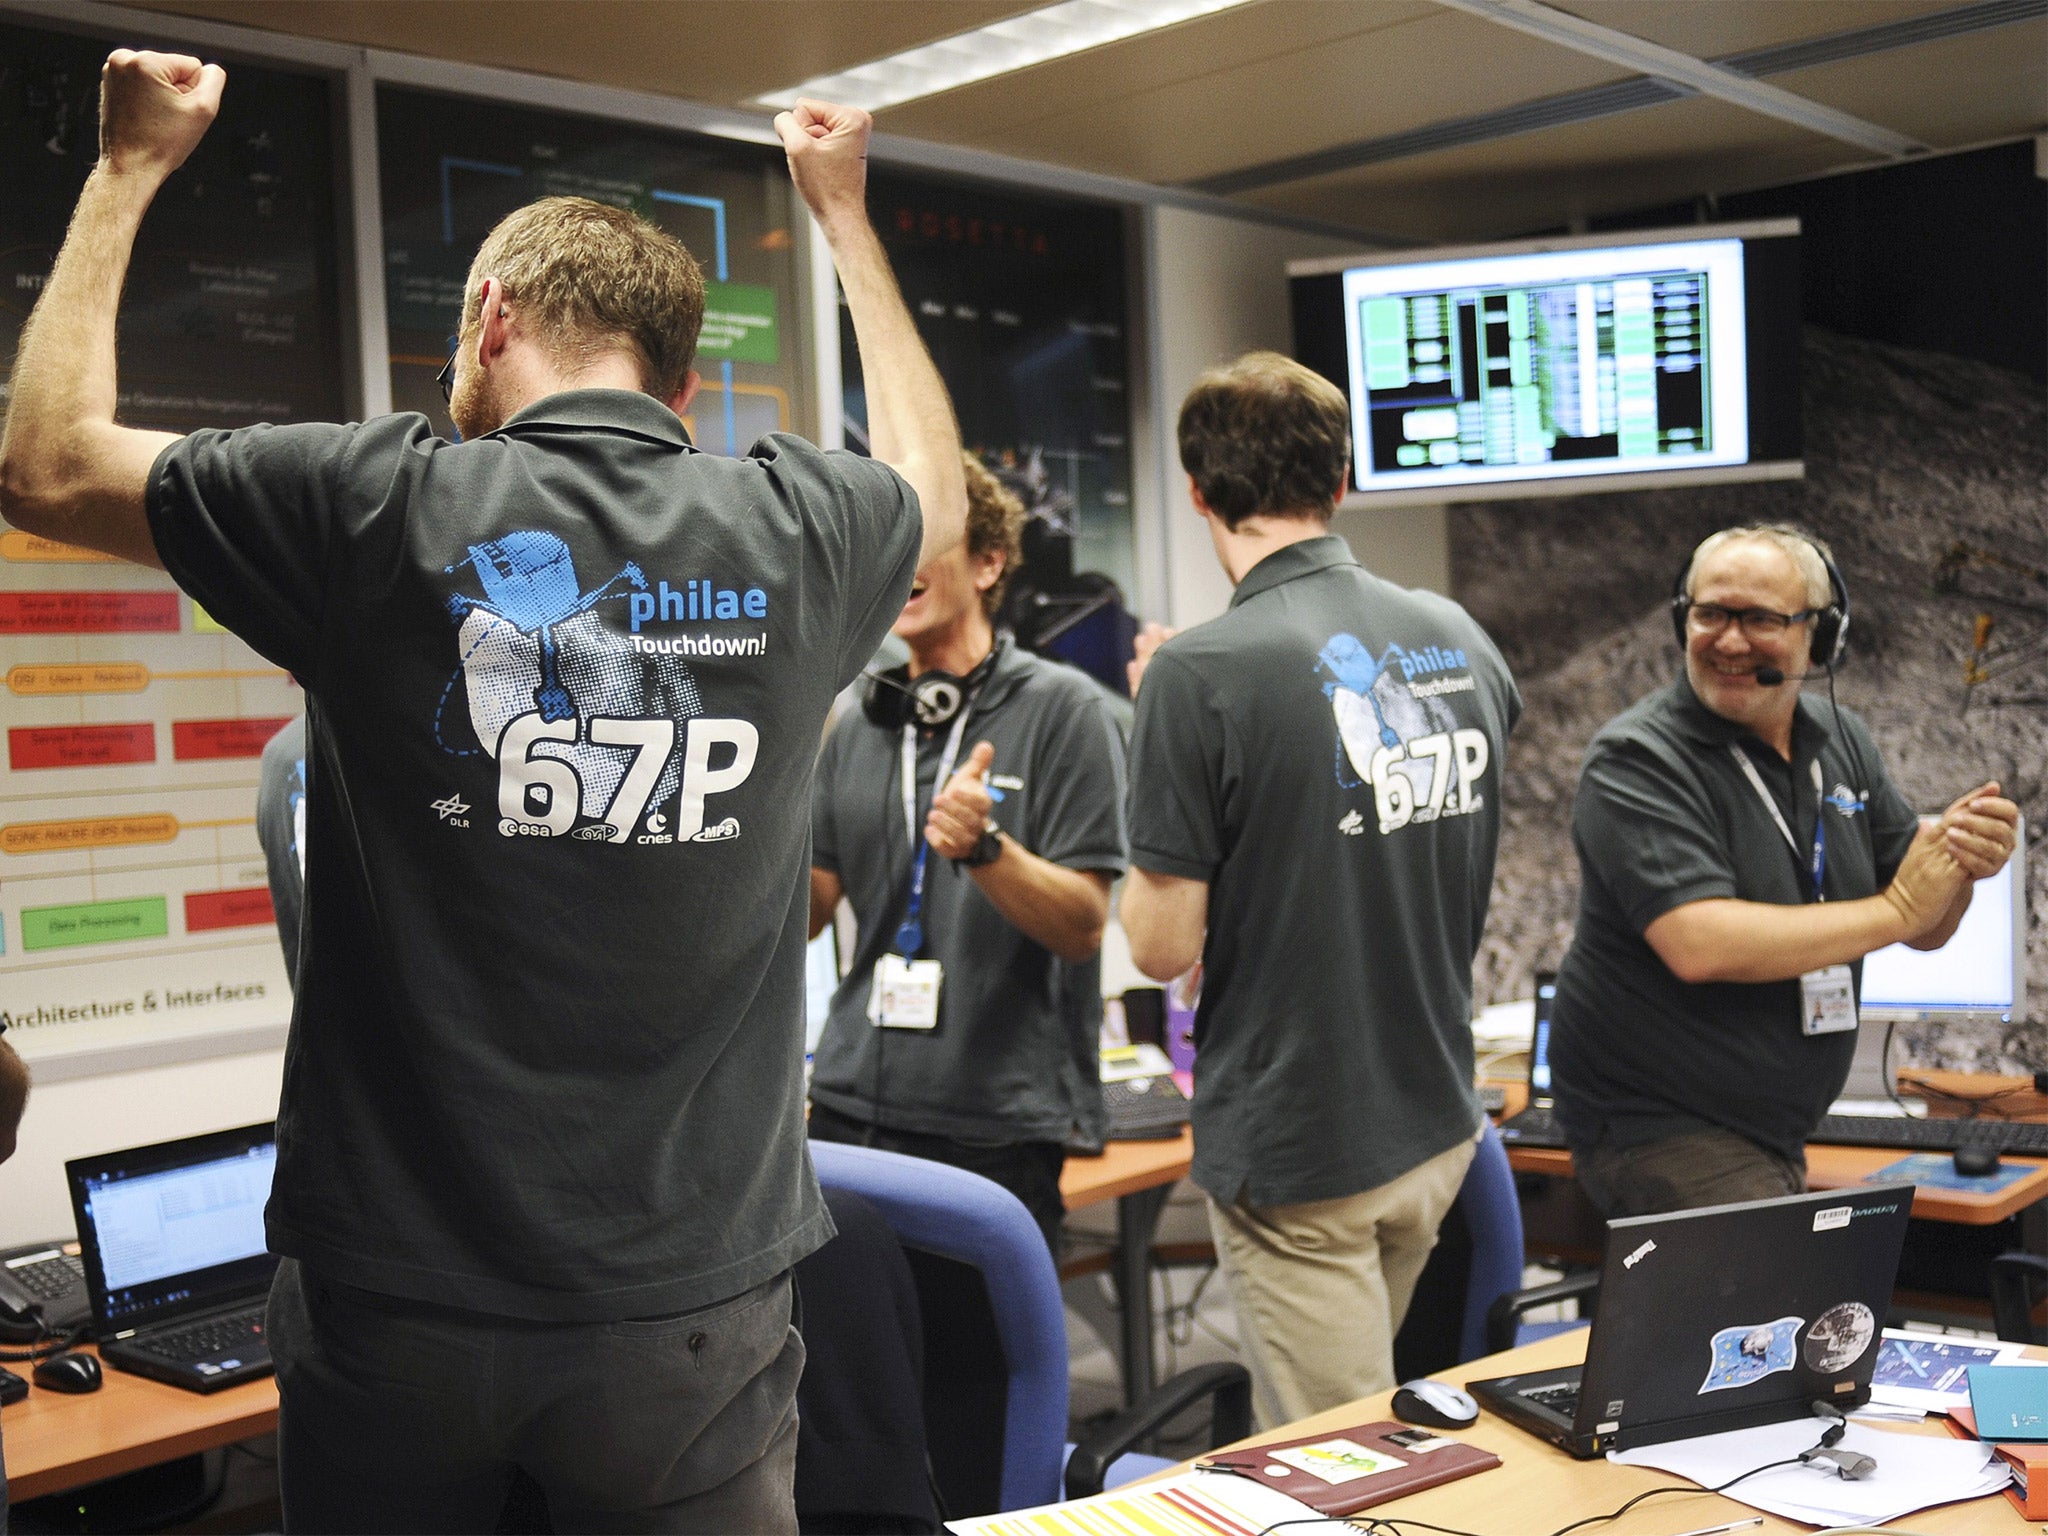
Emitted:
<point x="42" y="1292"/>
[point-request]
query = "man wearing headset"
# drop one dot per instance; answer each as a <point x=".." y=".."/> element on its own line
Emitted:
<point x="967" y="1029"/>
<point x="1741" y="850"/>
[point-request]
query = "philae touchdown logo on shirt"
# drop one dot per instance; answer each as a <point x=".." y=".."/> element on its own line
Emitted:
<point x="1396" y="733"/>
<point x="598" y="735"/>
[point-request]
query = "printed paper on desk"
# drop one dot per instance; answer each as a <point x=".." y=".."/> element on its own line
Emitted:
<point x="1914" y="1471"/>
<point x="1927" y="1371"/>
<point x="1193" y="1504"/>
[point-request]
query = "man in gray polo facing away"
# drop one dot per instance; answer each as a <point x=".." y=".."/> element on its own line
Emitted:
<point x="1315" y="803"/>
<point x="541" y="1164"/>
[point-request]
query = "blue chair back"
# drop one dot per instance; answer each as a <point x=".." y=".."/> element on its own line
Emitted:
<point x="1493" y="1217"/>
<point x="961" y="1216"/>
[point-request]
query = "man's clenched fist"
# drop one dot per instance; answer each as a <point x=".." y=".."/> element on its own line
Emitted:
<point x="154" y="107"/>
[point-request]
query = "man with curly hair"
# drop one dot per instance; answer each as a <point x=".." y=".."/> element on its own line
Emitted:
<point x="966" y="1029"/>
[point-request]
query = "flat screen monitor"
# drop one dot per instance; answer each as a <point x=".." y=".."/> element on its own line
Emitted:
<point x="1554" y="367"/>
<point x="1980" y="972"/>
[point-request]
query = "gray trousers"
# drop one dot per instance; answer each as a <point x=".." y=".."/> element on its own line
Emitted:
<point x="1683" y="1173"/>
<point x="398" y="1416"/>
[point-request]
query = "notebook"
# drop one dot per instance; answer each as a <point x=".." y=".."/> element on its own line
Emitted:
<point x="175" y="1256"/>
<point x="1340" y="1471"/>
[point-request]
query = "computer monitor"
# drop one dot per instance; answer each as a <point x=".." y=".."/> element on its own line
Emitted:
<point x="1539" y="1037"/>
<point x="1979" y="973"/>
<point x="1562" y="365"/>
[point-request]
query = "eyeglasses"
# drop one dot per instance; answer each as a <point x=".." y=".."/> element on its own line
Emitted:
<point x="446" y="377"/>
<point x="1757" y="623"/>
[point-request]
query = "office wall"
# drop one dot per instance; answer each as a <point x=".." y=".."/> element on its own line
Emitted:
<point x="89" y="1115"/>
<point x="1926" y="426"/>
<point x="1219" y="288"/>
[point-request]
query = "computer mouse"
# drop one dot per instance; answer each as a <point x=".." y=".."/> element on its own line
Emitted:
<point x="1975" y="1162"/>
<point x="69" y="1372"/>
<point x="1434" y="1403"/>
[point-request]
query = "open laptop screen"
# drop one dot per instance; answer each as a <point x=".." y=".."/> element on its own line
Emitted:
<point x="176" y="1227"/>
<point x="1539" y="1040"/>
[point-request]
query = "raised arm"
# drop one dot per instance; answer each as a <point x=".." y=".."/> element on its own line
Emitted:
<point x="910" y="416"/>
<point x="67" y="472"/>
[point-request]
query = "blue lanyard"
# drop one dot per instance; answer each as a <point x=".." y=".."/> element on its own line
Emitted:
<point x="1819" y="866"/>
<point x="910" y="932"/>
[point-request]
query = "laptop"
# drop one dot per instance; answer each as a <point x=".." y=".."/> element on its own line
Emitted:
<point x="175" y="1259"/>
<point x="1537" y="1125"/>
<point x="1722" y="1318"/>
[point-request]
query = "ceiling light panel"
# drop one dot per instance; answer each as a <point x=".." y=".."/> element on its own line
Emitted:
<point x="1017" y="42"/>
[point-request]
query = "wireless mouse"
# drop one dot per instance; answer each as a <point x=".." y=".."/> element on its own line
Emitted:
<point x="1975" y="1162"/>
<point x="1435" y="1404"/>
<point x="69" y="1372"/>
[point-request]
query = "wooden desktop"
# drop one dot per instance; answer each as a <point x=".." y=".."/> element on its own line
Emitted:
<point x="1538" y="1488"/>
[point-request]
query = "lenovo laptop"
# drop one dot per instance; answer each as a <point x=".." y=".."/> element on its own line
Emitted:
<point x="175" y="1260"/>
<point x="1537" y="1125"/>
<point x="1722" y="1318"/>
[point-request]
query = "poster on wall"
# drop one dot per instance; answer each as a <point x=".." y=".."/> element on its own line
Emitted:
<point x="134" y="913"/>
<point x="1021" y="300"/>
<point x="451" y="168"/>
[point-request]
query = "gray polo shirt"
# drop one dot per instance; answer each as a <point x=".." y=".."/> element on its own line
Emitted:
<point x="565" y="685"/>
<point x="1666" y="816"/>
<point x="1327" y="756"/>
<point x="1015" y="1053"/>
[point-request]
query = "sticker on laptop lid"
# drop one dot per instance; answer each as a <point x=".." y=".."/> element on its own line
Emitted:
<point x="1839" y="1337"/>
<point x="1832" y="1218"/>
<point x="1747" y="1354"/>
<point x="1337" y="1461"/>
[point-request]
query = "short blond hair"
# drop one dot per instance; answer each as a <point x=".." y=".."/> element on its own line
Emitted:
<point x="1809" y="556"/>
<point x="995" y="525"/>
<point x="590" y="277"/>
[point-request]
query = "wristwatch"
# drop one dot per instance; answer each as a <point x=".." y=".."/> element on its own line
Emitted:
<point x="986" y="852"/>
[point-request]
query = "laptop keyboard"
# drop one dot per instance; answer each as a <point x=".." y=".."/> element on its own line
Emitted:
<point x="1562" y="1398"/>
<point x="1144" y="1108"/>
<point x="1903" y="1134"/>
<point x="1536" y="1127"/>
<point x="237" y="1332"/>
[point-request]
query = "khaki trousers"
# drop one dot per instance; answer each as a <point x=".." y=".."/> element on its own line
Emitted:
<point x="1320" y="1288"/>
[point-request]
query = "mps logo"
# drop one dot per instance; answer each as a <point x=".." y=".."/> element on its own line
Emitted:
<point x="1398" y="735"/>
<point x="585" y="728"/>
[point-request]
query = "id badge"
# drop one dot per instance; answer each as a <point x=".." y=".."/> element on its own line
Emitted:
<point x="906" y="993"/>
<point x="1827" y="1001"/>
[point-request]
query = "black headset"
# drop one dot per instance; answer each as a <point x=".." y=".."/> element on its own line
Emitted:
<point x="1830" y="624"/>
<point x="893" y="700"/>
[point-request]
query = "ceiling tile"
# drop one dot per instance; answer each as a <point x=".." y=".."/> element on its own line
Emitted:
<point x="1914" y="90"/>
<point x="1543" y="180"/>
<point x="1737" y="26"/>
<point x="1246" y="109"/>
<point x="719" y="52"/>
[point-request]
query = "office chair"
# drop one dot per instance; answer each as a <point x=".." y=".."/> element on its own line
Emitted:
<point x="995" y="1377"/>
<point x="1469" y="1301"/>
<point x="2019" y="1285"/>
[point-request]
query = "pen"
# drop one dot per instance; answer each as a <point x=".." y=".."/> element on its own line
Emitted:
<point x="1718" y="1530"/>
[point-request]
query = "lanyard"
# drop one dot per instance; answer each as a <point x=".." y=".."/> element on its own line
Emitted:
<point x="910" y="933"/>
<point x="1820" y="824"/>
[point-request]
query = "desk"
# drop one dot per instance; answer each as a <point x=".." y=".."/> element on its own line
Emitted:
<point x="1537" y="1487"/>
<point x="1833" y="1167"/>
<point x="1138" y="1175"/>
<point x="56" y="1442"/>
